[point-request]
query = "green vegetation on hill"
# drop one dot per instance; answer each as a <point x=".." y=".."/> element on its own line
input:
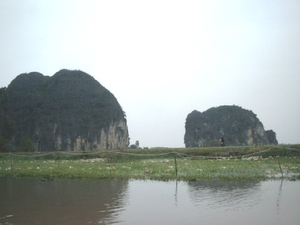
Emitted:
<point x="238" y="126"/>
<point x="57" y="110"/>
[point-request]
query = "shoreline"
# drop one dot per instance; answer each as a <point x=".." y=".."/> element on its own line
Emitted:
<point x="222" y="163"/>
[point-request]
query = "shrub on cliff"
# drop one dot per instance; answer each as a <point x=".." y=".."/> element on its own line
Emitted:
<point x="70" y="110"/>
<point x="238" y="126"/>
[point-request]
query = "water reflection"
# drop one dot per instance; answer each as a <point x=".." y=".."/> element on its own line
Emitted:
<point x="29" y="201"/>
<point x="222" y="195"/>
<point x="267" y="202"/>
<point x="278" y="197"/>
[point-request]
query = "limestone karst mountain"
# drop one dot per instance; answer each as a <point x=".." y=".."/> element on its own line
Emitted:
<point x="67" y="111"/>
<point x="238" y="126"/>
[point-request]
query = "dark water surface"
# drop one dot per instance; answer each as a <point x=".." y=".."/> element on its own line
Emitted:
<point x="29" y="201"/>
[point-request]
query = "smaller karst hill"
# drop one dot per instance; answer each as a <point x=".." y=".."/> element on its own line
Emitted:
<point x="67" y="111"/>
<point x="238" y="126"/>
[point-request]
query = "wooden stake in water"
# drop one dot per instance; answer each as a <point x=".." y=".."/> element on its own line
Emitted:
<point x="11" y="163"/>
<point x="175" y="165"/>
<point x="280" y="168"/>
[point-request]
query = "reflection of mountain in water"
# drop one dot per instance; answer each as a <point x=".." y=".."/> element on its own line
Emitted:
<point x="62" y="202"/>
<point x="225" y="195"/>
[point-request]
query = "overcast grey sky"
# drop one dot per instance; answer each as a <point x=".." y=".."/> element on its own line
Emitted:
<point x="164" y="59"/>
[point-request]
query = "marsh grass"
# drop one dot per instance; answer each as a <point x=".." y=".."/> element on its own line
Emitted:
<point x="159" y="164"/>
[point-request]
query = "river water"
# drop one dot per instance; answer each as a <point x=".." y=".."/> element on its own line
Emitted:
<point x="29" y="201"/>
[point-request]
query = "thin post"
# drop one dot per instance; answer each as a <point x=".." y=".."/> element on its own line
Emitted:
<point x="11" y="162"/>
<point x="110" y="163"/>
<point x="280" y="168"/>
<point x="175" y="164"/>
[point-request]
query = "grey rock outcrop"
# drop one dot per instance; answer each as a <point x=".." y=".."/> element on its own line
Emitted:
<point x="238" y="126"/>
<point x="271" y="135"/>
<point x="69" y="111"/>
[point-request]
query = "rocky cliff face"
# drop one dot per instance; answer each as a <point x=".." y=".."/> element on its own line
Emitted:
<point x="68" y="111"/>
<point x="271" y="135"/>
<point x="237" y="125"/>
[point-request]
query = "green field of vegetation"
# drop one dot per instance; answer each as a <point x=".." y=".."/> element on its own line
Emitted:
<point x="225" y="163"/>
